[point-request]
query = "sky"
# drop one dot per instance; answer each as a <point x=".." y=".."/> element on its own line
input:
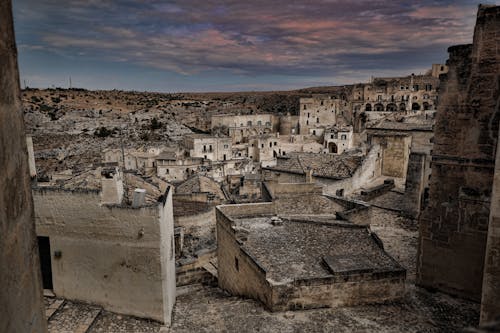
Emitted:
<point x="232" y="45"/>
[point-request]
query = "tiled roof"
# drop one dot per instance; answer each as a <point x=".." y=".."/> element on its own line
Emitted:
<point x="322" y="165"/>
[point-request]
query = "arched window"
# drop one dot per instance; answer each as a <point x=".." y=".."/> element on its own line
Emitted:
<point x="368" y="107"/>
<point x="391" y="107"/>
<point x="402" y="107"/>
<point x="379" y="107"/>
<point x="415" y="106"/>
<point x="426" y="106"/>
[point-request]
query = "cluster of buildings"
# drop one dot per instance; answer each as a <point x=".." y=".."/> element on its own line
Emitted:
<point x="277" y="208"/>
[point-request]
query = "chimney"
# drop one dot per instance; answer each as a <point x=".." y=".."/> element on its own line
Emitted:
<point x="111" y="186"/>
<point x="31" y="156"/>
<point x="309" y="173"/>
<point x="139" y="197"/>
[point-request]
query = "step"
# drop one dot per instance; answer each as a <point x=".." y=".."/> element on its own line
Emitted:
<point x="51" y="306"/>
<point x="73" y="317"/>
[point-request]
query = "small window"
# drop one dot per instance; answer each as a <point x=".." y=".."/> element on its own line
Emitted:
<point x="236" y="264"/>
<point x="305" y="107"/>
<point x="343" y="137"/>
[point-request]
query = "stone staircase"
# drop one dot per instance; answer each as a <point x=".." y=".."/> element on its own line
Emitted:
<point x="69" y="317"/>
<point x="64" y="316"/>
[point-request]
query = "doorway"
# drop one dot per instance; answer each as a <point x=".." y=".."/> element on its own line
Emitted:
<point x="45" y="261"/>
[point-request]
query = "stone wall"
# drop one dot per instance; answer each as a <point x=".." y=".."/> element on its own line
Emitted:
<point x="106" y="250"/>
<point x="395" y="152"/>
<point x="339" y="291"/>
<point x="415" y="182"/>
<point x="453" y="227"/>
<point x="238" y="273"/>
<point x="490" y="305"/>
<point x="21" y="295"/>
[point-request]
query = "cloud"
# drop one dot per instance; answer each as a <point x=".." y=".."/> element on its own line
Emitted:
<point x="316" y="38"/>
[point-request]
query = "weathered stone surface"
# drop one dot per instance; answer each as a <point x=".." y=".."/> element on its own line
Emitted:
<point x="21" y="294"/>
<point x="454" y="226"/>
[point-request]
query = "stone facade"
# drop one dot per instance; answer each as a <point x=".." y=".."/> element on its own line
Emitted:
<point x="454" y="226"/>
<point x="241" y="127"/>
<point x="338" y="140"/>
<point x="21" y="296"/>
<point x="208" y="147"/>
<point x="318" y="112"/>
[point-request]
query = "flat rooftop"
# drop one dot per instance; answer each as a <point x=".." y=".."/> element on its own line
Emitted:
<point x="315" y="248"/>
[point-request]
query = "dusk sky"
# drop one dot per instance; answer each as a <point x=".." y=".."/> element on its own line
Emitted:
<point x="234" y="45"/>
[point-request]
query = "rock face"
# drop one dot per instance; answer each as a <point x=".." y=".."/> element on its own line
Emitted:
<point x="454" y="226"/>
<point x="21" y="296"/>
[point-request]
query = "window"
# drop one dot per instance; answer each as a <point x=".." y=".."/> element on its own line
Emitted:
<point x="210" y="148"/>
<point x="305" y="107"/>
<point x="270" y="144"/>
<point x="226" y="146"/>
<point x="331" y="136"/>
<point x="236" y="264"/>
<point x="317" y="120"/>
<point x="379" y="97"/>
<point x="343" y="137"/>
<point x="167" y="171"/>
<point x="262" y="145"/>
<point x="275" y="143"/>
<point x="416" y="87"/>
<point x="259" y="123"/>
<point x="249" y="123"/>
<point x="321" y="102"/>
<point x="308" y="114"/>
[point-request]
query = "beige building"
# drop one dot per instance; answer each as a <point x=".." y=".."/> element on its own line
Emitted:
<point x="264" y="149"/>
<point x="319" y="112"/>
<point x="411" y="93"/>
<point x="241" y="127"/>
<point x="336" y="140"/>
<point x="103" y="252"/>
<point x="208" y="147"/>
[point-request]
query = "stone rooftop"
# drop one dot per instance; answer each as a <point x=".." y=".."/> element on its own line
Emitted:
<point x="402" y="126"/>
<point x="322" y="165"/>
<point x="200" y="184"/>
<point x="320" y="249"/>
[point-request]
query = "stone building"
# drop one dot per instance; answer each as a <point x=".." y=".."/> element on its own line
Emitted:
<point x="336" y="140"/>
<point x="454" y="225"/>
<point x="293" y="253"/>
<point x="240" y="128"/>
<point x="98" y="250"/>
<point x="208" y="147"/>
<point x="337" y="174"/>
<point x="411" y="93"/>
<point x="318" y="112"/>
<point x="264" y="149"/>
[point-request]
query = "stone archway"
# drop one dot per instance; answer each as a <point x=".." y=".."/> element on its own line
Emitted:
<point x="332" y="148"/>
